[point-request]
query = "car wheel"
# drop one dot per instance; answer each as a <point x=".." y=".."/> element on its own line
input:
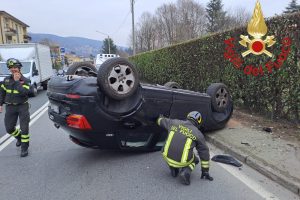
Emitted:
<point x="33" y="91"/>
<point x="82" y="69"/>
<point x="118" y="78"/>
<point x="172" y="85"/>
<point x="220" y="96"/>
<point x="45" y="86"/>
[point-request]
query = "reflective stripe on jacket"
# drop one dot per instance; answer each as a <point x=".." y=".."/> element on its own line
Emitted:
<point x="182" y="138"/>
<point x="14" y="92"/>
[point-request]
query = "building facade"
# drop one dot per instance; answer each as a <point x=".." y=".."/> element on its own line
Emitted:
<point x="12" y="30"/>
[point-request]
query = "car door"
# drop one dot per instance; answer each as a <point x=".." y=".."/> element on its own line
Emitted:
<point x="35" y="74"/>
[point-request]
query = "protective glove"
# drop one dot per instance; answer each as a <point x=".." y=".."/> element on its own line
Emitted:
<point x="206" y="175"/>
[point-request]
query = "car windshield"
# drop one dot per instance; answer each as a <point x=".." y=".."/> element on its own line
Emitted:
<point x="25" y="69"/>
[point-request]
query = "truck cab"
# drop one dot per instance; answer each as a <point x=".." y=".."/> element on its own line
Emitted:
<point x="100" y="58"/>
<point x="36" y="62"/>
<point x="29" y="71"/>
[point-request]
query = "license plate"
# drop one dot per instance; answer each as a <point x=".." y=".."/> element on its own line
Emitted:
<point x="55" y="108"/>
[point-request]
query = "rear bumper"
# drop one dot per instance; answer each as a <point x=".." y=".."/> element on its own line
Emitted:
<point x="103" y="140"/>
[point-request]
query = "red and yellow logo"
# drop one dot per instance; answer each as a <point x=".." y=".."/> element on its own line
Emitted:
<point x="257" y="28"/>
<point x="257" y="43"/>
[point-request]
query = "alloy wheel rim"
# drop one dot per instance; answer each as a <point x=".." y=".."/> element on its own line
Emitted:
<point x="222" y="98"/>
<point x="121" y="79"/>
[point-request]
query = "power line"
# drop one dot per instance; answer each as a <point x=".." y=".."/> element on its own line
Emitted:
<point x="123" y="22"/>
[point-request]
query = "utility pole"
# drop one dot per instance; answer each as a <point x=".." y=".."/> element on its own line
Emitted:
<point x="133" y="34"/>
<point x="108" y="44"/>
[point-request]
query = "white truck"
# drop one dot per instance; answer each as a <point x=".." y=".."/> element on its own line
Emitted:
<point x="36" y="61"/>
<point x="100" y="58"/>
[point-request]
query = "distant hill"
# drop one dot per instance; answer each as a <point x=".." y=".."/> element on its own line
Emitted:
<point x="81" y="46"/>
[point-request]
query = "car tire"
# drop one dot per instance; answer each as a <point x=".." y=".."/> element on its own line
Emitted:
<point x="82" y="69"/>
<point x="220" y="97"/>
<point x="33" y="91"/>
<point x="45" y="86"/>
<point x="118" y="78"/>
<point x="172" y="85"/>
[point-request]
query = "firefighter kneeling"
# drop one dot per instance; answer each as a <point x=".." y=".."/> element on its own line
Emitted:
<point x="14" y="93"/>
<point x="178" y="150"/>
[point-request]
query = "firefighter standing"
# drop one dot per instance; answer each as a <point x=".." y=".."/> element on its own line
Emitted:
<point x="14" y="93"/>
<point x="178" y="149"/>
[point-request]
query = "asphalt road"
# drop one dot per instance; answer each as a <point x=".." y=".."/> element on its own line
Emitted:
<point x="35" y="104"/>
<point x="58" y="169"/>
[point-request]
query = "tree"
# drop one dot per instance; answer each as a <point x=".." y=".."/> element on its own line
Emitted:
<point x="109" y="44"/>
<point x="171" y="23"/>
<point x="237" y="18"/>
<point x="167" y="16"/>
<point x="67" y="61"/>
<point x="191" y="20"/>
<point x="123" y="53"/>
<point x="292" y="7"/>
<point x="216" y="16"/>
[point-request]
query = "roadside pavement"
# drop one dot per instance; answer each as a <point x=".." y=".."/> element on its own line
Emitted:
<point x="268" y="153"/>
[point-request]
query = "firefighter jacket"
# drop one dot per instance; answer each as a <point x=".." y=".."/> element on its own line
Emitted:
<point x="14" y="92"/>
<point x="183" y="137"/>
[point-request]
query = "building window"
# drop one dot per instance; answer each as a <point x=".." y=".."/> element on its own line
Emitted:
<point x="9" y="39"/>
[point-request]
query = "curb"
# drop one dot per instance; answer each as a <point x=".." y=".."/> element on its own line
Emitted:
<point x="260" y="166"/>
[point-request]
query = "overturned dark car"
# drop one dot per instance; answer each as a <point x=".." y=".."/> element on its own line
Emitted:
<point x="109" y="108"/>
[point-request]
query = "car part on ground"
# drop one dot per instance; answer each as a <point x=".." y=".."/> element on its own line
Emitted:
<point x="118" y="78"/>
<point x="219" y="95"/>
<point x="226" y="160"/>
<point x="82" y="69"/>
<point x="173" y="85"/>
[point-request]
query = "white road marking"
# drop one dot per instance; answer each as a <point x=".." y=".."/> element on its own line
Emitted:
<point x="253" y="185"/>
<point x="4" y="137"/>
<point x="34" y="117"/>
<point x="39" y="110"/>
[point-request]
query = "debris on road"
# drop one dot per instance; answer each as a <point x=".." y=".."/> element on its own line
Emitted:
<point x="268" y="129"/>
<point x="226" y="159"/>
<point x="245" y="143"/>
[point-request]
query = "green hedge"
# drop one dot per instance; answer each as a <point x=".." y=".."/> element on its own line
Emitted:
<point x="197" y="63"/>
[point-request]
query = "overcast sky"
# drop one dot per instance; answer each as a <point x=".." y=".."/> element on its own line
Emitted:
<point x="83" y="17"/>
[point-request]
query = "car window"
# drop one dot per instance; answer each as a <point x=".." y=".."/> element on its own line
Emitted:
<point x="24" y="70"/>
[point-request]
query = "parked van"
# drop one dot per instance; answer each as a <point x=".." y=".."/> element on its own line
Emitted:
<point x="35" y="59"/>
<point x="100" y="58"/>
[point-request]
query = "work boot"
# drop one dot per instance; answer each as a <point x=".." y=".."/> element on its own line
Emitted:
<point x="18" y="143"/>
<point x="185" y="175"/>
<point x="24" y="149"/>
<point x="174" y="171"/>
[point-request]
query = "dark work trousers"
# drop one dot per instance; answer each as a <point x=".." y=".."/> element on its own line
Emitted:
<point x="11" y="117"/>
<point x="188" y="169"/>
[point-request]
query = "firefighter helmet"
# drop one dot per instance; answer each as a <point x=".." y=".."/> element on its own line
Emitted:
<point x="12" y="62"/>
<point x="195" y="117"/>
